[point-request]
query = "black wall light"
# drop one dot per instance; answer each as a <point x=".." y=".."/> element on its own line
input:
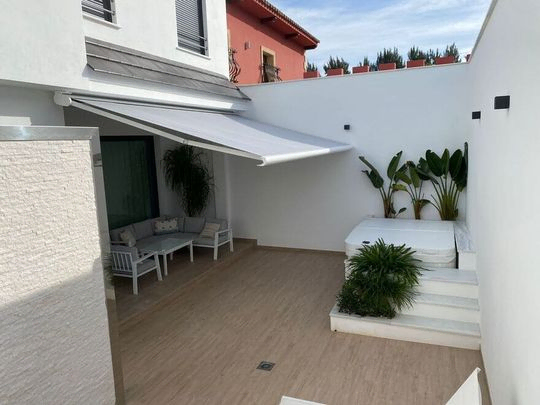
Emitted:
<point x="502" y="102"/>
<point x="476" y="115"/>
<point x="347" y="127"/>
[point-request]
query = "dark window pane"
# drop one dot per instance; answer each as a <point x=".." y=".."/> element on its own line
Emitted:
<point x="129" y="172"/>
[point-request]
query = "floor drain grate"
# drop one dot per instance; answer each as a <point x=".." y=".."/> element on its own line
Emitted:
<point x="266" y="366"/>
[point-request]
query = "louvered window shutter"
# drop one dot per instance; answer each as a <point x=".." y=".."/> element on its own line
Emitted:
<point x="99" y="8"/>
<point x="190" y="25"/>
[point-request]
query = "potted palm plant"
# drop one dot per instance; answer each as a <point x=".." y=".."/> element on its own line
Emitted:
<point x="382" y="281"/>
<point x="311" y="71"/>
<point x="186" y="173"/>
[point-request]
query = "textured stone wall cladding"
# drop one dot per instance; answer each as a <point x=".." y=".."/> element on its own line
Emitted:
<point x="54" y="340"/>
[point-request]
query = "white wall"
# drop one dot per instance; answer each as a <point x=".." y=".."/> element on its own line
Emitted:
<point x="150" y="26"/>
<point x="503" y="198"/>
<point x="54" y="340"/>
<point x="314" y="203"/>
<point x="44" y="39"/>
<point x="25" y="106"/>
<point x="44" y="42"/>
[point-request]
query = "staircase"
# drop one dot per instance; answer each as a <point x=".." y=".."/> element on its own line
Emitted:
<point x="446" y="311"/>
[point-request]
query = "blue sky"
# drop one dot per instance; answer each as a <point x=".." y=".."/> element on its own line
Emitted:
<point x="353" y="29"/>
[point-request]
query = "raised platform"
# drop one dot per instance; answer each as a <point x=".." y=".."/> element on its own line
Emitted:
<point x="412" y="328"/>
<point x="432" y="241"/>
<point x="446" y="311"/>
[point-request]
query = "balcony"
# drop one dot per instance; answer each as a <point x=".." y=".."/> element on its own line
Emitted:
<point x="234" y="67"/>
<point x="270" y="73"/>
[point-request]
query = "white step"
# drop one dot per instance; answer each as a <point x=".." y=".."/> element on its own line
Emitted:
<point x="410" y="328"/>
<point x="465" y="247"/>
<point x="445" y="307"/>
<point x="453" y="282"/>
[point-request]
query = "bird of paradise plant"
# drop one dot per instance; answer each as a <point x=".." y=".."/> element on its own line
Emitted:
<point x="414" y="181"/>
<point x="448" y="174"/>
<point x="387" y="194"/>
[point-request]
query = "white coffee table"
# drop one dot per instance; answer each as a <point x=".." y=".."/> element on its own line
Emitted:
<point x="168" y="246"/>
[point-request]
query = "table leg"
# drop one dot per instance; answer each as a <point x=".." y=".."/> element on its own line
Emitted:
<point x="191" y="252"/>
<point x="165" y="270"/>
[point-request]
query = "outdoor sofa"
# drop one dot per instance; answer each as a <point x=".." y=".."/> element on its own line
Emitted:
<point x="188" y="227"/>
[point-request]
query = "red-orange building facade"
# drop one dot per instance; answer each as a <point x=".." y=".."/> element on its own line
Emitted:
<point x="267" y="45"/>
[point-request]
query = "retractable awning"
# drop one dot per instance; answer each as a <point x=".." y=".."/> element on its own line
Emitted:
<point x="228" y="133"/>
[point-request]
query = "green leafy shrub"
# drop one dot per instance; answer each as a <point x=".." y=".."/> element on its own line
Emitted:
<point x="382" y="281"/>
<point x="390" y="56"/>
<point x="448" y="173"/>
<point x="414" y="181"/>
<point x="311" y="67"/>
<point x="336" y="63"/>
<point x="416" y="54"/>
<point x="387" y="194"/>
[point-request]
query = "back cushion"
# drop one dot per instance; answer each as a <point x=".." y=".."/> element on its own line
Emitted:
<point x="115" y="233"/>
<point x="194" y="225"/>
<point x="222" y="223"/>
<point x="162" y="227"/>
<point x="143" y="229"/>
<point x="128" y="237"/>
<point x="209" y="230"/>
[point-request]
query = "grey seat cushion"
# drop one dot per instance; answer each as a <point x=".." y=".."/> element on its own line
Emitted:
<point x="145" y="265"/>
<point x="144" y="229"/>
<point x="209" y="241"/>
<point x="142" y="267"/>
<point x="194" y="225"/>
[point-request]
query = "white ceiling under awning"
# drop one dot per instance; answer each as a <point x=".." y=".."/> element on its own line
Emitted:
<point x="229" y="133"/>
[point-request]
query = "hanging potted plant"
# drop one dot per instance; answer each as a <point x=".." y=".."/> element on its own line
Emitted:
<point x="187" y="175"/>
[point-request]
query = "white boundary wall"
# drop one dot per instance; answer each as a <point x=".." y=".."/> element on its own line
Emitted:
<point x="503" y="211"/>
<point x="315" y="203"/>
<point x="55" y="341"/>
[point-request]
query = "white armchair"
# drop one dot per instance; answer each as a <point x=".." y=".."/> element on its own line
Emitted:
<point x="126" y="262"/>
<point x="220" y="238"/>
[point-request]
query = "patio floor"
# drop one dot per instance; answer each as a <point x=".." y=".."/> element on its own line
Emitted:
<point x="203" y="342"/>
<point x="131" y="307"/>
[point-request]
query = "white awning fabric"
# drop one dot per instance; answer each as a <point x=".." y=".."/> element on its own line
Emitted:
<point x="228" y="133"/>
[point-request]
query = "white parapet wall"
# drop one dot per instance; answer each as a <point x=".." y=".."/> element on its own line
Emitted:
<point x="54" y="338"/>
<point x="502" y="201"/>
<point x="315" y="203"/>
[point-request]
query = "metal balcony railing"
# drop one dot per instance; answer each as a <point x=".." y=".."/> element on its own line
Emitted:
<point x="234" y="67"/>
<point x="270" y="73"/>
